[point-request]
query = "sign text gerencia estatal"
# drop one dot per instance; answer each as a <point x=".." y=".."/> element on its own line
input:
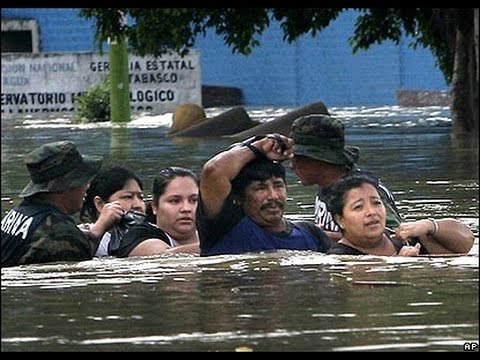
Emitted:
<point x="33" y="83"/>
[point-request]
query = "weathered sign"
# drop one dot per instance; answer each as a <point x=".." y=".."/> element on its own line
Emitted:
<point x="49" y="82"/>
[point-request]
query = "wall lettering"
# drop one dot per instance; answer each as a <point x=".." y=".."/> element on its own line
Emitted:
<point x="51" y="82"/>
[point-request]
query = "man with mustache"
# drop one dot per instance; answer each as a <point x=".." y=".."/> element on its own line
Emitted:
<point x="243" y="196"/>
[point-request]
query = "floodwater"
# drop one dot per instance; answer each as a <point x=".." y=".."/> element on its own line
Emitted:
<point x="279" y="301"/>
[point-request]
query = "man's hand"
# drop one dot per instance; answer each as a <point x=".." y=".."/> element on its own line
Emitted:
<point x="275" y="147"/>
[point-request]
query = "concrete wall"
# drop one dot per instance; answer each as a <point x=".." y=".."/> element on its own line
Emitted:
<point x="277" y="73"/>
<point x="50" y="82"/>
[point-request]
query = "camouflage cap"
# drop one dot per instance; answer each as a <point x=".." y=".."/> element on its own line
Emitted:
<point x="322" y="137"/>
<point x="57" y="167"/>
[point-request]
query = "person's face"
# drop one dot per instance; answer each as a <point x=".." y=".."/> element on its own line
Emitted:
<point x="306" y="169"/>
<point x="176" y="208"/>
<point x="73" y="199"/>
<point x="312" y="171"/>
<point x="363" y="214"/>
<point x="130" y="197"/>
<point x="265" y="201"/>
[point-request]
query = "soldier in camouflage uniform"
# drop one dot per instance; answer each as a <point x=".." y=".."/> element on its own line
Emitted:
<point x="40" y="229"/>
<point x="321" y="157"/>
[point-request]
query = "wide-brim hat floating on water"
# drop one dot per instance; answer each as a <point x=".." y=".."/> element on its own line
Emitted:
<point x="58" y="167"/>
<point x="186" y="115"/>
<point x="229" y="122"/>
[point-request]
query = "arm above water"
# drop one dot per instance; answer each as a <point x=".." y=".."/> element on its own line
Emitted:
<point x="185" y="249"/>
<point x="110" y="214"/>
<point x="444" y="236"/>
<point x="219" y="171"/>
<point x="159" y="247"/>
<point x="150" y="247"/>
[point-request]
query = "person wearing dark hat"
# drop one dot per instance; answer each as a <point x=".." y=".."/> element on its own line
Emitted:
<point x="322" y="158"/>
<point x="40" y="229"/>
<point x="243" y="197"/>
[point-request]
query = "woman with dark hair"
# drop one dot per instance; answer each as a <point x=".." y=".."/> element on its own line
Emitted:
<point x="322" y="158"/>
<point x="358" y="210"/>
<point x="115" y="192"/>
<point x="174" y="206"/>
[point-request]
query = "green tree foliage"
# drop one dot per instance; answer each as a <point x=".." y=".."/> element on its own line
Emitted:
<point x="94" y="104"/>
<point x="377" y="25"/>
<point x="448" y="33"/>
<point x="157" y="31"/>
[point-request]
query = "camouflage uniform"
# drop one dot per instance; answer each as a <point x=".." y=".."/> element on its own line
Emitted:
<point x="36" y="231"/>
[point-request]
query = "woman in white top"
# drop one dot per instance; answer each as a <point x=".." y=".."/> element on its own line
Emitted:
<point x="112" y="193"/>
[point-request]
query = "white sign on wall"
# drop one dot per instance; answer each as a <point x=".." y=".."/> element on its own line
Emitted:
<point x="33" y="83"/>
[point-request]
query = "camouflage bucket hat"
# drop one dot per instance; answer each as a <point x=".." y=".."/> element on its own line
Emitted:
<point x="322" y="137"/>
<point x="57" y="167"/>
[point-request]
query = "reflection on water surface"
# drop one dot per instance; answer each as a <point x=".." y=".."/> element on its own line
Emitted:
<point x="281" y="301"/>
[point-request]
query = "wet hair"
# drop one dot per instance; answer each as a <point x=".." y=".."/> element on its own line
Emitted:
<point x="160" y="183"/>
<point x="104" y="185"/>
<point x="338" y="193"/>
<point x="166" y="175"/>
<point x="257" y="170"/>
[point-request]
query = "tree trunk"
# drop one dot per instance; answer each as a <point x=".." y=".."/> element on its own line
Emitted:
<point x="475" y="37"/>
<point x="464" y="107"/>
